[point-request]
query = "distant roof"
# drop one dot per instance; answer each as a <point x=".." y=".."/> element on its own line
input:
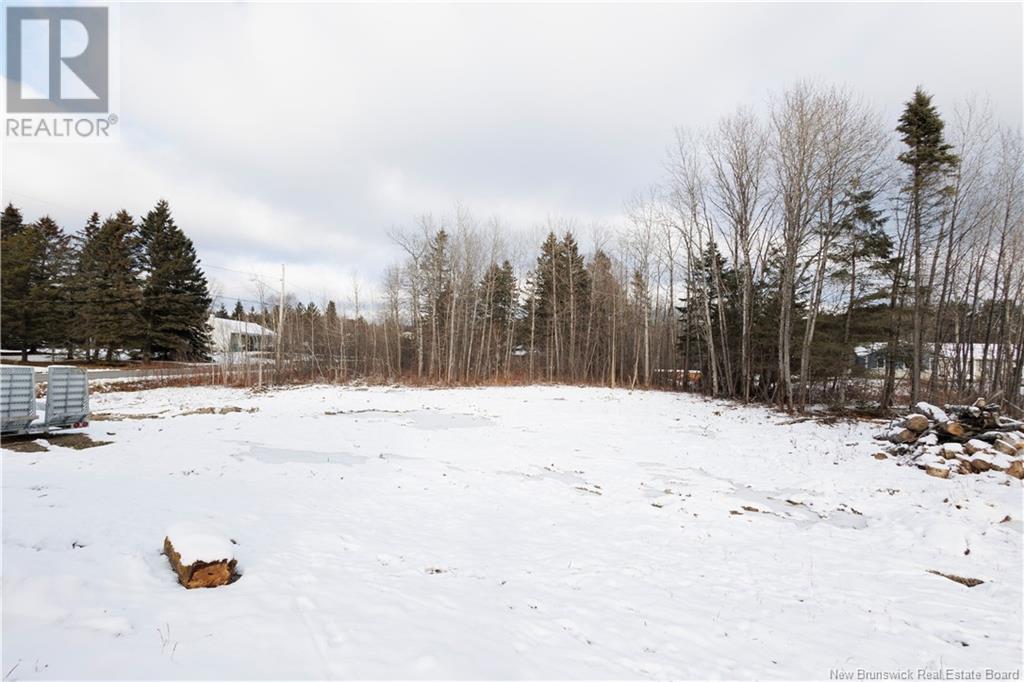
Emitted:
<point x="947" y="350"/>
<point x="868" y="348"/>
<point x="227" y="325"/>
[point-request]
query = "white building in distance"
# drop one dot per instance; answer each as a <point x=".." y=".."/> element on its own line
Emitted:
<point x="234" y="338"/>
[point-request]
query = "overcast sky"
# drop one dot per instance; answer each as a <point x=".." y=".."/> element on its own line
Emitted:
<point x="301" y="134"/>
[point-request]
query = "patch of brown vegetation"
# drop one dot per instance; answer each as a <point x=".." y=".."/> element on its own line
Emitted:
<point x="76" y="441"/>
<point x="227" y="409"/>
<point x="967" y="582"/>
<point x="115" y="417"/>
<point x="27" y="445"/>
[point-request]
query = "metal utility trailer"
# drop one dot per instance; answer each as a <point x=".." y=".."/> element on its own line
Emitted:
<point x="67" y="400"/>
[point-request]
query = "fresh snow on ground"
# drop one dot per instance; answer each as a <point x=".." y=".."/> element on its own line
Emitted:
<point x="543" y="532"/>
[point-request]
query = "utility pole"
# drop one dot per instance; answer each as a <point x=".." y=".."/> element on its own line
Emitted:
<point x="280" y="325"/>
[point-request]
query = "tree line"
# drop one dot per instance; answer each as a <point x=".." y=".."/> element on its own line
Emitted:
<point x="115" y="287"/>
<point x="778" y="248"/>
<point x="810" y="252"/>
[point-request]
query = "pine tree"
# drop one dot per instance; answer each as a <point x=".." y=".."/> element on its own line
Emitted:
<point x="20" y="254"/>
<point x="929" y="161"/>
<point x="606" y="301"/>
<point x="497" y="311"/>
<point x="576" y="284"/>
<point x="10" y="222"/>
<point x="546" y="294"/>
<point x="84" y="252"/>
<point x="239" y="312"/>
<point x="110" y="289"/>
<point x="175" y="295"/>
<point x="52" y="291"/>
<point x="438" y="292"/>
<point x="222" y="312"/>
<point x="36" y="262"/>
<point x="15" y="258"/>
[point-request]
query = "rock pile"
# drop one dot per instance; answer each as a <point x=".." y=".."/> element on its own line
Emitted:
<point x="960" y="439"/>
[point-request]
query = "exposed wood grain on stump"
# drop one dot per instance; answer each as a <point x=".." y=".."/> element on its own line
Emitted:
<point x="952" y="429"/>
<point x="916" y="422"/>
<point x="200" y="573"/>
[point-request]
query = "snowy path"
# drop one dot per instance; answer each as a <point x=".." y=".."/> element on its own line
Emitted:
<point x="499" y="533"/>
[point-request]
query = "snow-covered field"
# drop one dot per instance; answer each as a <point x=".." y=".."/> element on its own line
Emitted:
<point x="545" y="532"/>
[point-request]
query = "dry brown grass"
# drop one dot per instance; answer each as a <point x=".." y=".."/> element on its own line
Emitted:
<point x="968" y="582"/>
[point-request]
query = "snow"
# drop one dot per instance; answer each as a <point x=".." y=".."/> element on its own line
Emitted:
<point x="936" y="414"/>
<point x="194" y="542"/>
<point x="541" y="532"/>
<point x="225" y="325"/>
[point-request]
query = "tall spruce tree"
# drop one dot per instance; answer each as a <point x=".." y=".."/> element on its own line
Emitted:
<point x="547" y="301"/>
<point x="929" y="161"/>
<point x="175" y="294"/>
<point x="14" y="278"/>
<point x="20" y="255"/>
<point x="84" y="250"/>
<point x="52" y="291"/>
<point x="11" y="222"/>
<point x="576" y="284"/>
<point x="36" y="262"/>
<point x="110" y="288"/>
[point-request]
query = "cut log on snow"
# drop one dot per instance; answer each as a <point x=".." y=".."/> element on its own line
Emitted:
<point x="951" y="450"/>
<point x="916" y="423"/>
<point x="951" y="428"/>
<point x="200" y="557"/>
<point x="980" y="464"/>
<point x="975" y="445"/>
<point x="934" y="413"/>
<point x="1004" y="447"/>
<point x="960" y="439"/>
<point x="901" y="436"/>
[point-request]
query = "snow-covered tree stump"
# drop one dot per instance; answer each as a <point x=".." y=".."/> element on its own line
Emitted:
<point x="200" y="557"/>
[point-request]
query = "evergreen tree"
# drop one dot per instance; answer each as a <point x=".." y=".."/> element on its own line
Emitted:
<point x="929" y="161"/>
<point x="14" y="278"/>
<point x="863" y="249"/>
<point x="438" y="293"/>
<point x="21" y="253"/>
<point x="36" y="267"/>
<point x="222" y="312"/>
<point x="52" y="291"/>
<point x="175" y="295"/>
<point x="110" y="289"/>
<point x="545" y="288"/>
<point x="10" y="222"/>
<point x="84" y="250"/>
<point x="239" y="312"/>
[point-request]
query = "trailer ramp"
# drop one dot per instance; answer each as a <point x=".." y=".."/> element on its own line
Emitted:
<point x="17" y="398"/>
